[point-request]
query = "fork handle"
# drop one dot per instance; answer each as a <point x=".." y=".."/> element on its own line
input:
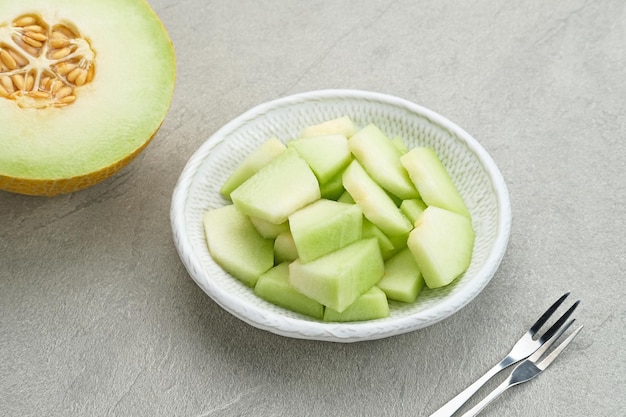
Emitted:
<point x="488" y="399"/>
<point x="461" y="398"/>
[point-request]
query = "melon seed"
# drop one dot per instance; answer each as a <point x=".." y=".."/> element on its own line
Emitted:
<point x="6" y="82"/>
<point x="7" y="59"/>
<point x="64" y="92"/>
<point x="60" y="53"/>
<point x="32" y="42"/>
<point x="18" y="80"/>
<point x="24" y="21"/>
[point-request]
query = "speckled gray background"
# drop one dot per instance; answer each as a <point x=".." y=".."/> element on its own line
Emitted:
<point x="99" y="318"/>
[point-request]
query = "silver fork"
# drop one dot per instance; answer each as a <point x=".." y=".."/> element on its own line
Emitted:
<point x="524" y="347"/>
<point x="528" y="369"/>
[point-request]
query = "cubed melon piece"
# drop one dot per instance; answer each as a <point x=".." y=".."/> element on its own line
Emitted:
<point x="256" y="160"/>
<point x="398" y="142"/>
<point x="377" y="206"/>
<point x="336" y="280"/>
<point x="273" y="286"/>
<point x="371" y="230"/>
<point x="381" y="159"/>
<point x="442" y="243"/>
<point x="333" y="188"/>
<point x="325" y="226"/>
<point x="345" y="197"/>
<point x="412" y="208"/>
<point x="432" y="180"/>
<point x="285" y="248"/>
<point x="278" y="189"/>
<point x="339" y="126"/>
<point x="326" y="155"/>
<point x="235" y="244"/>
<point x="369" y="306"/>
<point x="269" y="230"/>
<point x="403" y="280"/>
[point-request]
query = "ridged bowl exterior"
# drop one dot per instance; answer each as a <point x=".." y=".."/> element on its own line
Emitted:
<point x="476" y="175"/>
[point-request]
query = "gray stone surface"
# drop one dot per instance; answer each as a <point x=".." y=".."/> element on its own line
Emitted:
<point x="98" y="317"/>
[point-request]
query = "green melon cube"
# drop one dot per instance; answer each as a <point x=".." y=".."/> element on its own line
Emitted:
<point x="325" y="226"/>
<point x="333" y="188"/>
<point x="278" y="189"/>
<point x="381" y="159"/>
<point x="412" y="208"/>
<point x="432" y="180"/>
<point x="256" y="160"/>
<point x="369" y="306"/>
<point x="442" y="243"/>
<point x="345" y="197"/>
<point x="377" y="206"/>
<point x="273" y="286"/>
<point x="371" y="230"/>
<point x="339" y="278"/>
<point x="339" y="126"/>
<point x="269" y="230"/>
<point x="236" y="246"/>
<point x="285" y="248"/>
<point x="326" y="155"/>
<point x="398" y="142"/>
<point x="403" y="280"/>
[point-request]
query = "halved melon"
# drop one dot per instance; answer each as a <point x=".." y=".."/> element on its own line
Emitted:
<point x="84" y="86"/>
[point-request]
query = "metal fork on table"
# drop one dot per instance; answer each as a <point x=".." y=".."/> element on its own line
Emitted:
<point x="524" y="347"/>
<point x="528" y="369"/>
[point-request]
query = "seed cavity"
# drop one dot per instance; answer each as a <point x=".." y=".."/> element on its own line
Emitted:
<point x="43" y="63"/>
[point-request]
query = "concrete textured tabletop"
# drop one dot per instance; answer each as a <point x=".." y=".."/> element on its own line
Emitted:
<point x="98" y="316"/>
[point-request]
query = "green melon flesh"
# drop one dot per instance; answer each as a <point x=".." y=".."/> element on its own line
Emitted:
<point x="442" y="244"/>
<point x="339" y="278"/>
<point x="371" y="230"/>
<point x="403" y="280"/>
<point x="339" y="126"/>
<point x="325" y="226"/>
<point x="381" y="159"/>
<point x="369" y="306"/>
<point x="269" y="230"/>
<point x="273" y="286"/>
<point x="412" y="208"/>
<point x="235" y="244"/>
<point x="398" y="142"/>
<point x="285" y="248"/>
<point x="432" y="180"/>
<point x="326" y="155"/>
<point x="345" y="197"/>
<point x="278" y="189"/>
<point x="256" y="160"/>
<point x="377" y="206"/>
<point x="333" y="188"/>
<point x="114" y="116"/>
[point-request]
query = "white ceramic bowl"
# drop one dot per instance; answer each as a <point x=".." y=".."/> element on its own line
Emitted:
<point x="473" y="170"/>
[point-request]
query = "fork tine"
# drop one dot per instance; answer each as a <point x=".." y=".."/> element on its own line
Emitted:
<point x="557" y="351"/>
<point x="555" y="327"/>
<point x="548" y="343"/>
<point x="547" y="314"/>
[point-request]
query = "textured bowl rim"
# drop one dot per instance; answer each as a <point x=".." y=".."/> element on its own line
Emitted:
<point x="338" y="332"/>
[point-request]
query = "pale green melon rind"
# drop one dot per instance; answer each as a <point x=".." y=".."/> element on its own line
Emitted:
<point x="115" y="115"/>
